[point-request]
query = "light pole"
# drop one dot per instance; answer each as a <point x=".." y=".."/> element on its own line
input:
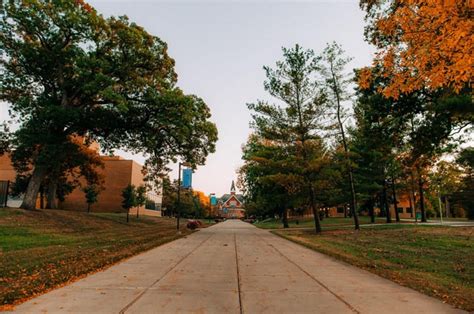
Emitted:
<point x="179" y="193"/>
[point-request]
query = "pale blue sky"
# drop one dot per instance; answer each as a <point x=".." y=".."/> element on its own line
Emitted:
<point x="220" y="48"/>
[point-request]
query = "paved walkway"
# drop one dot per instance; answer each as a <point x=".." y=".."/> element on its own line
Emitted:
<point x="233" y="267"/>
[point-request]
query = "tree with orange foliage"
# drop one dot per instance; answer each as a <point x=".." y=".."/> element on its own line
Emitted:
<point x="421" y="44"/>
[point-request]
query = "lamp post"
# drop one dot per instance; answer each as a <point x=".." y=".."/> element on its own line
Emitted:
<point x="178" y="213"/>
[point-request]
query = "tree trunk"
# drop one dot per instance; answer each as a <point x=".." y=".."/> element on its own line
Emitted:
<point x="138" y="209"/>
<point x="51" y="200"/>
<point x="128" y="214"/>
<point x="88" y="207"/>
<point x="317" y="222"/>
<point x="284" y="217"/>
<point x="447" y="206"/>
<point x="395" y="202"/>
<point x="411" y="205"/>
<point x="353" y="199"/>
<point x="41" y="191"/>
<point x="326" y="211"/>
<point x="371" y="211"/>
<point x="31" y="194"/>
<point x="422" y="201"/>
<point x="412" y="188"/>
<point x="385" y="203"/>
<point x="353" y="203"/>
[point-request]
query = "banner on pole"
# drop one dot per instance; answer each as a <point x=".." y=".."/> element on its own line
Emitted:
<point x="213" y="200"/>
<point x="187" y="178"/>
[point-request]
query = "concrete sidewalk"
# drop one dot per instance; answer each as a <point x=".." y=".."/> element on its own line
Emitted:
<point x="233" y="267"/>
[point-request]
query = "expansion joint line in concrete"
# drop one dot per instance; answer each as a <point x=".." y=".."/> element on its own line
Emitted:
<point x="163" y="276"/>
<point x="312" y="277"/>
<point x="238" y="274"/>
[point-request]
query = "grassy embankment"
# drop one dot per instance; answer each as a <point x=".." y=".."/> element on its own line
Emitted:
<point x="40" y="250"/>
<point x="438" y="261"/>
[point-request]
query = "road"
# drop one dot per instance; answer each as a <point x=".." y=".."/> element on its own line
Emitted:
<point x="233" y="267"/>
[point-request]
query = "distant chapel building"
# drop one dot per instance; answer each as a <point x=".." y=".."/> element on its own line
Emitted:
<point x="231" y="205"/>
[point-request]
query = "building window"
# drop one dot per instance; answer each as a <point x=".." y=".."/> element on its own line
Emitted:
<point x="408" y="210"/>
<point x="400" y="210"/>
<point x="340" y="210"/>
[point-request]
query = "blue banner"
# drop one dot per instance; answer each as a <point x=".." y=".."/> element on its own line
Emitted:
<point x="187" y="178"/>
<point x="213" y="200"/>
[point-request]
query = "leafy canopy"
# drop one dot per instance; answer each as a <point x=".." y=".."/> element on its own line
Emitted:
<point x="68" y="71"/>
<point x="421" y="44"/>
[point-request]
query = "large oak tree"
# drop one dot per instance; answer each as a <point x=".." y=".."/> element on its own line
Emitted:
<point x="67" y="71"/>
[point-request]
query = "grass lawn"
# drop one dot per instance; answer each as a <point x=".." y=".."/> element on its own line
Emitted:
<point x="40" y="250"/>
<point x="438" y="261"/>
<point x="275" y="223"/>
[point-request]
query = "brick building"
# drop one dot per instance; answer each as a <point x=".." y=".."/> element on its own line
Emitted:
<point x="231" y="205"/>
<point x="117" y="173"/>
<point x="404" y="209"/>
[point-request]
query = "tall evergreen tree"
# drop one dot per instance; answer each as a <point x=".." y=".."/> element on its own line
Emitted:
<point x="337" y="82"/>
<point x="295" y="122"/>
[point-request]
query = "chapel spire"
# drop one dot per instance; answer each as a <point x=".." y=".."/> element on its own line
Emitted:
<point x="232" y="188"/>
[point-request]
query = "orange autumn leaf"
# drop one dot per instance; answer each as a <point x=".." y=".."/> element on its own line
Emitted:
<point x="422" y="43"/>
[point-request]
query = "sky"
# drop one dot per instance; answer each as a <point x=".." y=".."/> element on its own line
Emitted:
<point x="220" y="48"/>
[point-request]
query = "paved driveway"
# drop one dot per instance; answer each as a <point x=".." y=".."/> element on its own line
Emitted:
<point x="233" y="267"/>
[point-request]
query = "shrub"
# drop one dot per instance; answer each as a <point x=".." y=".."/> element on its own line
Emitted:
<point x="192" y="224"/>
<point x="430" y="213"/>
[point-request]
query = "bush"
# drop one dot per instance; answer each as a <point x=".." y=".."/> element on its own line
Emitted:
<point x="430" y="213"/>
<point x="193" y="224"/>
<point x="321" y="215"/>
<point x="470" y="213"/>
<point x="150" y="204"/>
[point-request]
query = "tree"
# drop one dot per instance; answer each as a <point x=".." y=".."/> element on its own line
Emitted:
<point x="129" y="198"/>
<point x="169" y="196"/>
<point x="4" y="139"/>
<point x="140" y="198"/>
<point x="376" y="134"/>
<point x="465" y="194"/>
<point x="67" y="71"/>
<point x="337" y="81"/>
<point x="445" y="179"/>
<point x="170" y="201"/>
<point x="267" y="179"/>
<point x="91" y="193"/>
<point x="421" y="43"/>
<point x="421" y="127"/>
<point x="295" y="123"/>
